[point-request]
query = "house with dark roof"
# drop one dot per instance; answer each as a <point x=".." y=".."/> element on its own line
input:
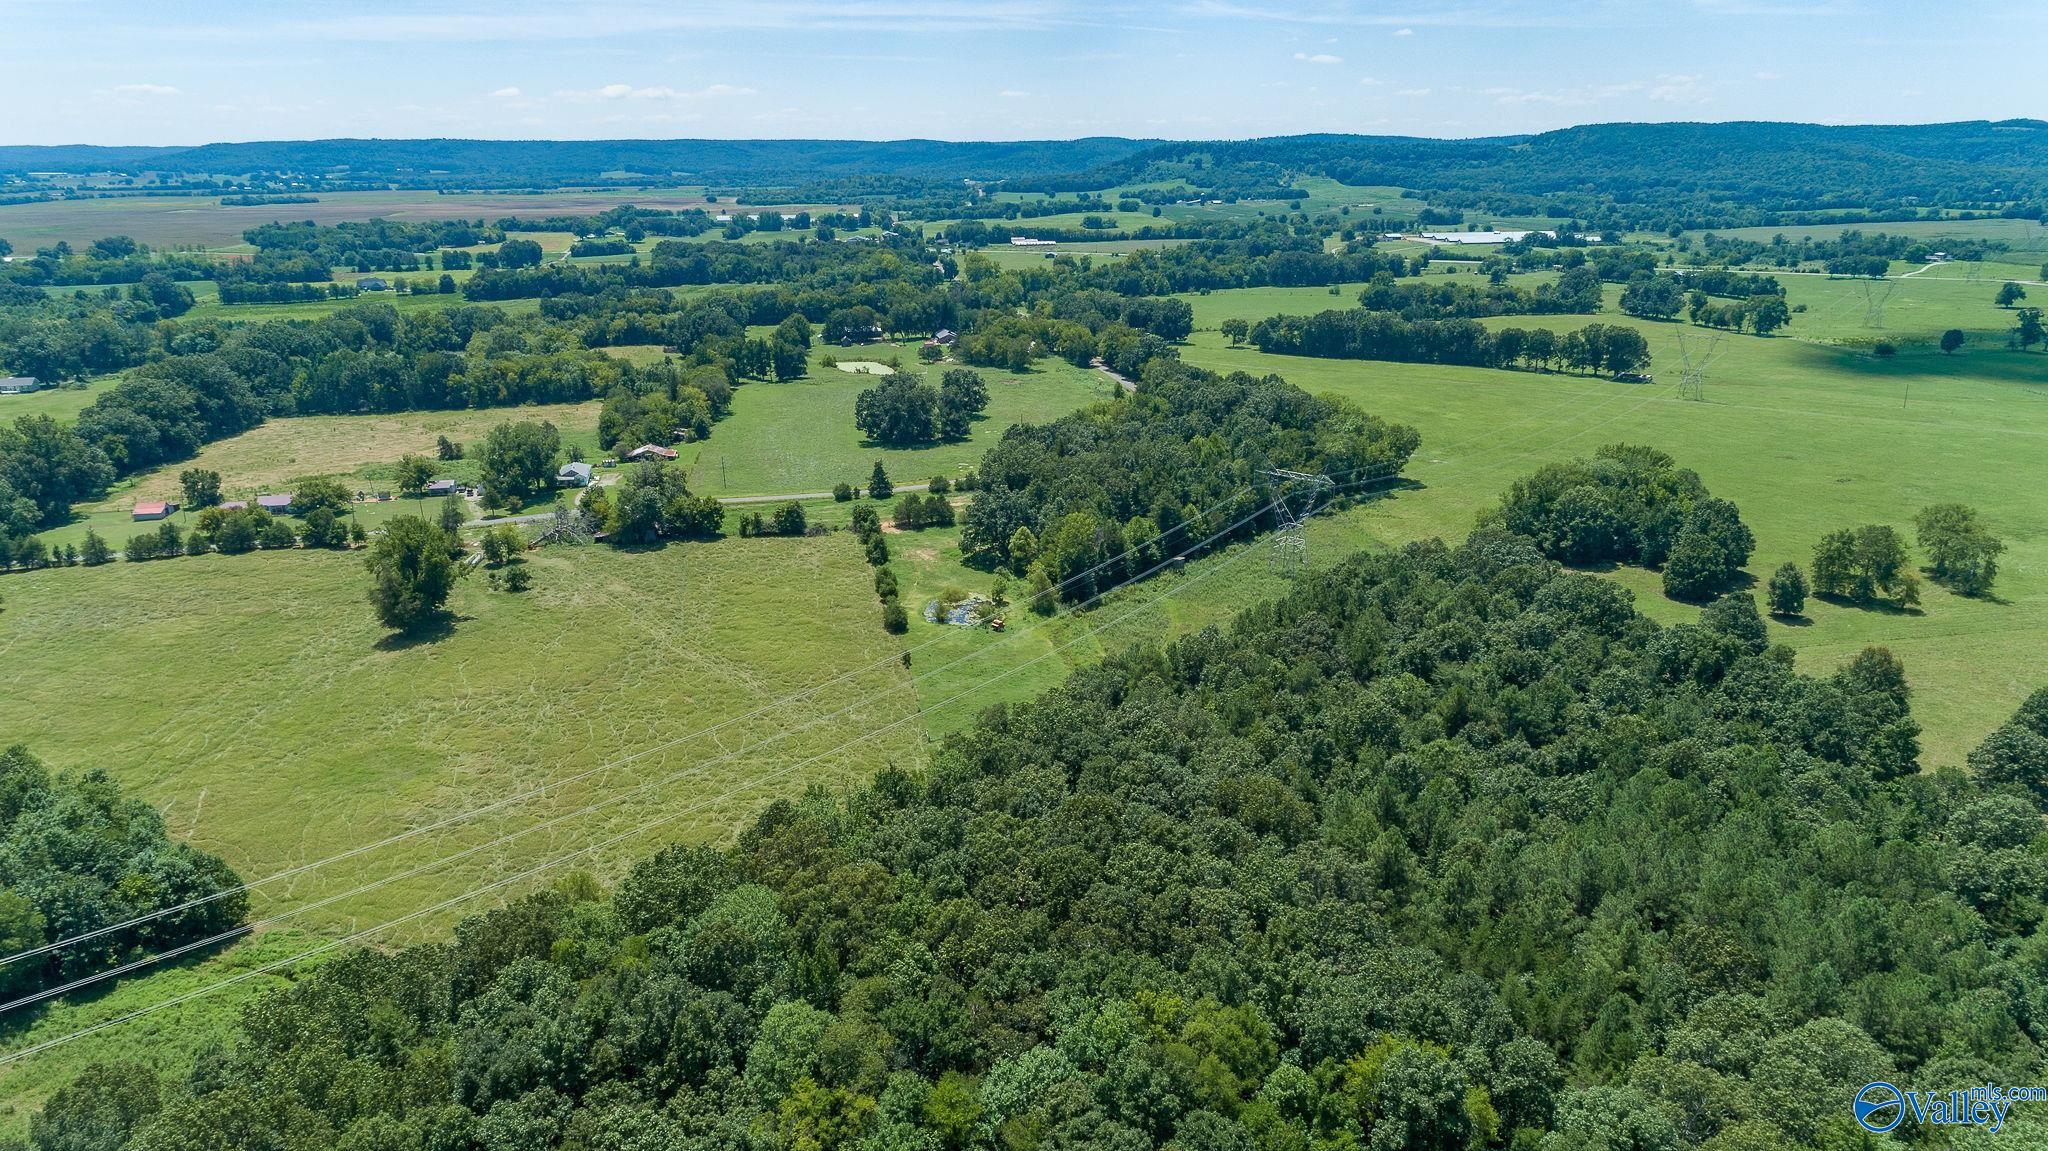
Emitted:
<point x="19" y="385"/>
<point x="441" y="488"/>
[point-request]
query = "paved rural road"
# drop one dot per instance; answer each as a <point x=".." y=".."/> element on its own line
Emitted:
<point x="1099" y="366"/>
<point x="534" y="517"/>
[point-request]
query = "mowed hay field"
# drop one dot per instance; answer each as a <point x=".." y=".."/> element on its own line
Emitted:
<point x="361" y="451"/>
<point x="1806" y="436"/>
<point x="799" y="436"/>
<point x="271" y="455"/>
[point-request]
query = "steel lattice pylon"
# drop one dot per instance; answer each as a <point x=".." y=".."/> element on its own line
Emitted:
<point x="1695" y="352"/>
<point x="1875" y="293"/>
<point x="1290" y="541"/>
<point x="569" y="526"/>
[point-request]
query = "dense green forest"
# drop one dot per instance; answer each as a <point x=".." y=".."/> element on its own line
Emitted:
<point x="77" y="857"/>
<point x="1447" y="848"/>
<point x="1652" y="175"/>
<point x="1642" y="175"/>
<point x="1177" y="463"/>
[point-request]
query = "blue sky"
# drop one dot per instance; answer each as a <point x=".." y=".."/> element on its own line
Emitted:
<point x="126" y="72"/>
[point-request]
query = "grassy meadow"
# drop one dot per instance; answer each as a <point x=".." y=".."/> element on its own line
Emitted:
<point x="1806" y="432"/>
<point x="800" y="437"/>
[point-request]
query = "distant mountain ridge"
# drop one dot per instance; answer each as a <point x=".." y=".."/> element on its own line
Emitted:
<point x="430" y="161"/>
<point x="1810" y="166"/>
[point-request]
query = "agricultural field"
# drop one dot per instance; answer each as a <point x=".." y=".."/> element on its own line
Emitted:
<point x="61" y="403"/>
<point x="799" y="436"/>
<point x="361" y="451"/>
<point x="1806" y="433"/>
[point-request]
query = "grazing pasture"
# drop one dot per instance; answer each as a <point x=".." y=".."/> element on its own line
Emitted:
<point x="361" y="451"/>
<point x="1807" y="433"/>
<point x="799" y="436"/>
<point x="254" y="700"/>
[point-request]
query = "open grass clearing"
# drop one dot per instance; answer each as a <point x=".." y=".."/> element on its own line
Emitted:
<point x="799" y="436"/>
<point x="254" y="700"/>
<point x="361" y="451"/>
<point x="1804" y="436"/>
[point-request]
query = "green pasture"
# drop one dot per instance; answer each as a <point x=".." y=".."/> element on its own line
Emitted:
<point x="2026" y="235"/>
<point x="799" y="436"/>
<point x="361" y="451"/>
<point x="166" y="1040"/>
<point x="255" y="702"/>
<point x="1807" y="433"/>
<point x="60" y="403"/>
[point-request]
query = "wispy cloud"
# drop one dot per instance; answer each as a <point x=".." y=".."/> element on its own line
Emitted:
<point x="1680" y="90"/>
<point x="143" y="90"/>
<point x="1014" y="94"/>
<point x="653" y="92"/>
<point x="507" y="93"/>
<point x="1319" y="58"/>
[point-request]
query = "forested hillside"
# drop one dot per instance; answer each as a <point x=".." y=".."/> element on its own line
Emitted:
<point x="1643" y="174"/>
<point x="1448" y="848"/>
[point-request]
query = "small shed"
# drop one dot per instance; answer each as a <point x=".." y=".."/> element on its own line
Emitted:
<point x="944" y="336"/>
<point x="277" y="503"/>
<point x="154" y="509"/>
<point x="441" y="488"/>
<point x="573" y="475"/>
<point x="651" y="452"/>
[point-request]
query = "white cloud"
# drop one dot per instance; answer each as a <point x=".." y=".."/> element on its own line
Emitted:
<point x="1404" y="31"/>
<point x="144" y="90"/>
<point x="1680" y="90"/>
<point x="1767" y="77"/>
<point x="1319" y="58"/>
<point x="1371" y="81"/>
<point x="653" y="92"/>
<point x="1014" y="94"/>
<point x="507" y="93"/>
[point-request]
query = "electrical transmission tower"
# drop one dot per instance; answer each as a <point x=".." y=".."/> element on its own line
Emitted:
<point x="1695" y="352"/>
<point x="1875" y="293"/>
<point x="570" y="526"/>
<point x="1290" y="539"/>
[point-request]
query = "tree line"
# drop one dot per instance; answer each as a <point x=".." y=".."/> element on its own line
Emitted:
<point x="1357" y="334"/>
<point x="1447" y="848"/>
<point x="1159" y="473"/>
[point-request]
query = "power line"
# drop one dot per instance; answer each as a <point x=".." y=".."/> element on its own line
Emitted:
<point x="1324" y="484"/>
<point x="452" y="901"/>
<point x="674" y="777"/>
<point x="534" y="792"/>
